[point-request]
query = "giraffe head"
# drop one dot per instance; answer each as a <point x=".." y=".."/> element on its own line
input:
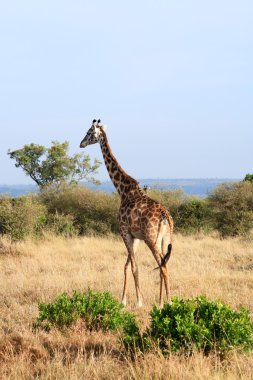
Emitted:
<point x="93" y="134"/>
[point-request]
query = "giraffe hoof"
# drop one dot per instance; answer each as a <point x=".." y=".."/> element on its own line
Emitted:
<point x="123" y="302"/>
<point x="139" y="304"/>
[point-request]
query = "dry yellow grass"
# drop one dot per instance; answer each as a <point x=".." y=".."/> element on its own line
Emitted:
<point x="38" y="271"/>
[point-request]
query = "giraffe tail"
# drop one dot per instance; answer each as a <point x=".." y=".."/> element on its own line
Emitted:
<point x="165" y="259"/>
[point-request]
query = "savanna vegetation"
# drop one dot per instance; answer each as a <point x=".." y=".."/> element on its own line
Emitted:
<point x="62" y="261"/>
<point x="60" y="317"/>
<point x="72" y="210"/>
<point x="65" y="208"/>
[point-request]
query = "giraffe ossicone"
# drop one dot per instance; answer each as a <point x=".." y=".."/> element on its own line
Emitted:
<point x="140" y="217"/>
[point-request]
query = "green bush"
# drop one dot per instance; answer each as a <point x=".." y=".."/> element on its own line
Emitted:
<point x="93" y="212"/>
<point x="21" y="217"/>
<point x="62" y="225"/>
<point x="182" y="327"/>
<point x="198" y="324"/>
<point x="193" y="215"/>
<point x="98" y="310"/>
<point x="232" y="205"/>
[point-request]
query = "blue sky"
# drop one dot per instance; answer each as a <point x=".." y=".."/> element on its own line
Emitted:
<point x="173" y="80"/>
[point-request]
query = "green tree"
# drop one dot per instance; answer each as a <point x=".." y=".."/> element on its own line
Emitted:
<point x="53" y="166"/>
<point x="249" y="177"/>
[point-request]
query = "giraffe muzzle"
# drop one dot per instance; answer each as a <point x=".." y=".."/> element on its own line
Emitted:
<point x="83" y="144"/>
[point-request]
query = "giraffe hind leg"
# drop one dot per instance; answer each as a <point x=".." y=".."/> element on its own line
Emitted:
<point x="164" y="270"/>
<point x="166" y="248"/>
<point x="157" y="253"/>
<point x="161" y="260"/>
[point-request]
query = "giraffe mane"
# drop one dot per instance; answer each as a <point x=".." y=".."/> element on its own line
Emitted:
<point x="131" y="179"/>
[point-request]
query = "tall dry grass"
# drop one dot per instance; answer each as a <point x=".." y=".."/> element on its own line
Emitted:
<point x="38" y="271"/>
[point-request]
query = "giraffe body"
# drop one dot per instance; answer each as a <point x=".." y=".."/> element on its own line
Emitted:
<point x="140" y="217"/>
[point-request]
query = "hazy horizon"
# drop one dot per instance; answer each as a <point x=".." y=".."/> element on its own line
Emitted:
<point x="32" y="183"/>
<point x="191" y="187"/>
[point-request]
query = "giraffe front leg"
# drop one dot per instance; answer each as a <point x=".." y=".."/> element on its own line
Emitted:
<point x="123" y="300"/>
<point x="135" y="273"/>
<point x="131" y="245"/>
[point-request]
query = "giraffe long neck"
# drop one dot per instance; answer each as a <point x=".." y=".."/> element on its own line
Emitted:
<point x="121" y="180"/>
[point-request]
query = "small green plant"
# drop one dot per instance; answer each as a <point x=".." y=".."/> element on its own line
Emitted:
<point x="199" y="324"/>
<point x="98" y="310"/>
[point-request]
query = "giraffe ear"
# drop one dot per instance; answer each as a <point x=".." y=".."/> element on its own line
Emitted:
<point x="103" y="127"/>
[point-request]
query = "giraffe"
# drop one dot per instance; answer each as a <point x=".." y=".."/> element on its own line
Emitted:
<point x="140" y="217"/>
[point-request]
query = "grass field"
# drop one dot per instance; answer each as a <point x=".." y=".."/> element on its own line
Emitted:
<point x="38" y="271"/>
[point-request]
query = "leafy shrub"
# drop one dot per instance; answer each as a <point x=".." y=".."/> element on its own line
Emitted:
<point x="193" y="215"/>
<point x="98" y="310"/>
<point x="21" y="217"/>
<point x="233" y="208"/>
<point x="60" y="224"/>
<point x="183" y="326"/>
<point x="93" y="212"/>
<point x="198" y="324"/>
